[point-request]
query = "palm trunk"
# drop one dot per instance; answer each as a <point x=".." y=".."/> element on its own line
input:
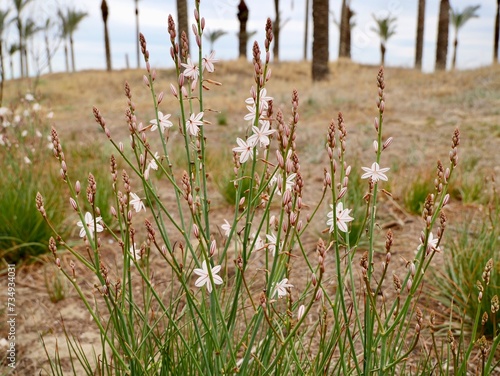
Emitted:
<point x="137" y="33"/>
<point x="72" y="50"/>
<point x="182" y="19"/>
<point x="497" y="34"/>
<point x="66" y="56"/>
<point x="105" y="14"/>
<point x="455" y="45"/>
<point x="11" y="65"/>
<point x="306" y="29"/>
<point x="276" y="31"/>
<point x="344" y="31"/>
<point x="320" y="68"/>
<point x="26" y="66"/>
<point x="47" y="52"/>
<point x="382" y="54"/>
<point x="2" y="77"/>
<point x="242" y="35"/>
<point x="442" y="38"/>
<point x="420" y="34"/>
<point x="21" y="49"/>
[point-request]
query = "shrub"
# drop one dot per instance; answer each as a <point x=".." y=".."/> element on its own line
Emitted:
<point x="27" y="169"/>
<point x="235" y="304"/>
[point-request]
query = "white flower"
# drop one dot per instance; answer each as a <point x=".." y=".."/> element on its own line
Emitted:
<point x="2" y="142"/>
<point x="29" y="97"/>
<point x="263" y="99"/>
<point x="272" y="241"/>
<point x="432" y="244"/>
<point x="4" y="111"/>
<point x="36" y="107"/>
<point x="27" y="160"/>
<point x="191" y="69"/>
<point x="261" y="136"/>
<point x="152" y="163"/>
<point x="227" y="228"/>
<point x="343" y="218"/>
<point x="290" y="181"/>
<point x="281" y="288"/>
<point x="208" y="62"/>
<point x="205" y="277"/>
<point x="24" y="133"/>
<point x="375" y="172"/>
<point x="245" y="149"/>
<point x="251" y="114"/>
<point x="259" y="243"/>
<point x="193" y="124"/>
<point x="164" y="122"/>
<point x="50" y="115"/>
<point x="136" y="202"/>
<point x="135" y="253"/>
<point x="301" y="311"/>
<point x="89" y="222"/>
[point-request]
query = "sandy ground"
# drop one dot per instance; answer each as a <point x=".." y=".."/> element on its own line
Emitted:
<point x="421" y="113"/>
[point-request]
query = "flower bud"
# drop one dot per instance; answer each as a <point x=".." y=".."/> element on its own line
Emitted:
<point x="196" y="231"/>
<point x="300" y="312"/>
<point x="409" y="284"/>
<point x="145" y="80"/>
<point x="73" y="203"/>
<point x="213" y="247"/>
<point x="160" y="97"/>
<point x="319" y="295"/>
<point x="173" y="90"/>
<point x="299" y="226"/>
<point x="314" y="281"/>
<point x="446" y="199"/>
<point x="388" y="142"/>
<point x="78" y="187"/>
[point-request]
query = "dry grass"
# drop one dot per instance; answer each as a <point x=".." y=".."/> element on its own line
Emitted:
<point x="421" y="113"/>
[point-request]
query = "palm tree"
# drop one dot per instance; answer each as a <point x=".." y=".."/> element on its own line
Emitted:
<point x="19" y="5"/>
<point x="105" y="14"/>
<point x="345" y="27"/>
<point x="30" y="29"/>
<point x="385" y="29"/>
<point x="442" y="37"/>
<point x="212" y="36"/>
<point x="320" y="51"/>
<point x="458" y="20"/>
<point x="243" y="35"/>
<point x="182" y="23"/>
<point x="73" y="18"/>
<point x="46" y="27"/>
<point x="306" y="29"/>
<point x="419" y="45"/>
<point x="276" y="31"/>
<point x="497" y="34"/>
<point x="13" y="48"/>
<point x="137" y="33"/>
<point x="3" y="25"/>
<point x="64" y="37"/>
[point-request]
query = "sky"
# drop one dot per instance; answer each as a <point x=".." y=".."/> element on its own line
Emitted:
<point x="475" y="38"/>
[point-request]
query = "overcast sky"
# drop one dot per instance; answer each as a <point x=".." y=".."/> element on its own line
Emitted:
<point x="475" y="39"/>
